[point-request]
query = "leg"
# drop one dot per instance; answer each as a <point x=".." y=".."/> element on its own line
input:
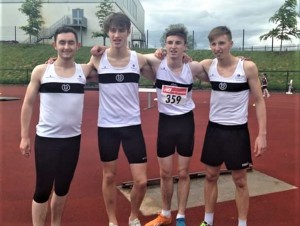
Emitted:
<point x="183" y="183"/>
<point x="211" y="190"/>
<point x="139" y="175"/>
<point x="109" y="190"/>
<point x="166" y="181"/>
<point x="57" y="208"/>
<point x="39" y="213"/>
<point x="242" y="192"/>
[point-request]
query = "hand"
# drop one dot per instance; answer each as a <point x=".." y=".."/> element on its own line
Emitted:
<point x="25" y="147"/>
<point x="186" y="58"/>
<point x="98" y="50"/>
<point x="51" y="60"/>
<point x="244" y="58"/>
<point x="160" y="53"/>
<point x="260" y="146"/>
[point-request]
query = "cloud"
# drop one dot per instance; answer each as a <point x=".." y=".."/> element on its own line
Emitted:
<point x="201" y="16"/>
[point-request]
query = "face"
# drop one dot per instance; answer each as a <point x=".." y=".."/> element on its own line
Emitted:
<point x="175" y="46"/>
<point x="220" y="46"/>
<point x="66" y="45"/>
<point x="118" y="36"/>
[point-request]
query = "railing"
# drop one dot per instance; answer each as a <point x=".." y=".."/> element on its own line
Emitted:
<point x="47" y="33"/>
<point x="277" y="80"/>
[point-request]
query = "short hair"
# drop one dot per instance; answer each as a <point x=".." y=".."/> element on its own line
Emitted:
<point x="217" y="31"/>
<point x="178" y="31"/>
<point x="65" y="29"/>
<point x="119" y="20"/>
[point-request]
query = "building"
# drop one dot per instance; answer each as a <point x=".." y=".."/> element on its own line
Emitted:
<point x="80" y="14"/>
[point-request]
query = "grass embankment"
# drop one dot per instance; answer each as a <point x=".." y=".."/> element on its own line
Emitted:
<point x="18" y="60"/>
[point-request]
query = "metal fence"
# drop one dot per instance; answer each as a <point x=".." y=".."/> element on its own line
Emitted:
<point x="277" y="80"/>
<point x="244" y="40"/>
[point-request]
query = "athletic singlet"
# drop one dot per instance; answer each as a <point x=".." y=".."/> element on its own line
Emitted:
<point x="229" y="96"/>
<point x="174" y="92"/>
<point x="119" y="93"/>
<point x="61" y="104"/>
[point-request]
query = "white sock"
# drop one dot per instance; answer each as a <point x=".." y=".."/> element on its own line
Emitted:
<point x="242" y="222"/>
<point x="180" y="216"/>
<point x="209" y="218"/>
<point x="166" y="213"/>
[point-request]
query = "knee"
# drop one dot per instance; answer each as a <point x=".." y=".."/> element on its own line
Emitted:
<point x="109" y="177"/>
<point x="183" y="174"/>
<point x="211" y="178"/>
<point x="165" y="174"/>
<point x="240" y="182"/>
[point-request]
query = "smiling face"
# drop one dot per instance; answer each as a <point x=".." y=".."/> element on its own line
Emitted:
<point x="66" y="45"/>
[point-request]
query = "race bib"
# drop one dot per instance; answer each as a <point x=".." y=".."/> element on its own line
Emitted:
<point x="174" y="95"/>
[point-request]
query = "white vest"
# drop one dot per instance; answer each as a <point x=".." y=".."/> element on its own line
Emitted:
<point x="174" y="92"/>
<point x="119" y="93"/>
<point x="229" y="96"/>
<point x="61" y="104"/>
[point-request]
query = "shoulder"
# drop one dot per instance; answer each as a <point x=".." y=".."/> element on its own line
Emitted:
<point x="250" y="67"/>
<point x="206" y="63"/>
<point x="40" y="69"/>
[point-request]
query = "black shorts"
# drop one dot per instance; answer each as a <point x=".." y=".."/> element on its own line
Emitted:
<point x="131" y="138"/>
<point x="228" y="144"/>
<point x="176" y="133"/>
<point x="56" y="160"/>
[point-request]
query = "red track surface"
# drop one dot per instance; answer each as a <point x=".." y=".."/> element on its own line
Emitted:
<point x="85" y="206"/>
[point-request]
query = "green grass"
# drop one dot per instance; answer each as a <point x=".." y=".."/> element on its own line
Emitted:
<point x="18" y="60"/>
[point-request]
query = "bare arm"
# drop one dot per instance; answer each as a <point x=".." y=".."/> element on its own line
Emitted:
<point x="27" y="108"/>
<point x="255" y="88"/>
<point x="198" y="71"/>
<point x="146" y="68"/>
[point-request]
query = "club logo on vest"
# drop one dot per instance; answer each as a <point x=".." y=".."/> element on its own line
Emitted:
<point x="65" y="87"/>
<point x="222" y="86"/>
<point x="119" y="77"/>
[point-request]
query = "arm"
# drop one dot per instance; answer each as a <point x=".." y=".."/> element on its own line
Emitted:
<point x="145" y="66"/>
<point x="198" y="71"/>
<point x="27" y="108"/>
<point x="254" y="84"/>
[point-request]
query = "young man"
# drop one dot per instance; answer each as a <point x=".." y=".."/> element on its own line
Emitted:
<point x="227" y="136"/>
<point x="57" y="141"/>
<point x="176" y="127"/>
<point x="119" y="119"/>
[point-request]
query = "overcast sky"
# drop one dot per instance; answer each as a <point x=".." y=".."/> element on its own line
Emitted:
<point x="201" y="16"/>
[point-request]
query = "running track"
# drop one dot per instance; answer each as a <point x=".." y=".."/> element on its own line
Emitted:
<point x="85" y="206"/>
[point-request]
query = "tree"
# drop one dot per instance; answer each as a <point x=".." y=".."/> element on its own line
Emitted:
<point x="35" y="21"/>
<point x="105" y="9"/>
<point x="286" y="19"/>
<point x="190" y="39"/>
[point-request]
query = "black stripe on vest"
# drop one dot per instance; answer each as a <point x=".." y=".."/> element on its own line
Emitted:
<point x="229" y="87"/>
<point x="119" y="78"/>
<point x="159" y="83"/>
<point x="57" y="87"/>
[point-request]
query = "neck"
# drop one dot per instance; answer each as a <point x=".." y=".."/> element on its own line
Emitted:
<point x="118" y="53"/>
<point x="64" y="62"/>
<point x="227" y="61"/>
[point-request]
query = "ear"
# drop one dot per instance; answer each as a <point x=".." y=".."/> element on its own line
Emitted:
<point x="53" y="45"/>
<point x="79" y="45"/>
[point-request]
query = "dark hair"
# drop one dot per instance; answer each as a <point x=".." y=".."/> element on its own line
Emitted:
<point x="65" y="29"/>
<point x="178" y="31"/>
<point x="119" y="20"/>
<point x="220" y="30"/>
